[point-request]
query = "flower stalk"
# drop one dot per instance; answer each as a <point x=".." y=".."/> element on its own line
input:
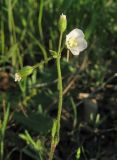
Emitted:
<point x="56" y="125"/>
<point x="55" y="138"/>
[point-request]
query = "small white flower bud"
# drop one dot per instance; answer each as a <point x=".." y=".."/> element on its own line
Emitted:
<point x="24" y="72"/>
<point x="62" y="23"/>
<point x="17" y="77"/>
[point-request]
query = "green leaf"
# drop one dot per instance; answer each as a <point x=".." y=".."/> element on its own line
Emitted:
<point x="38" y="123"/>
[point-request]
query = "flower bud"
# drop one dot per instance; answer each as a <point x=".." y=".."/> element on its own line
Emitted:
<point x="62" y="23"/>
<point x="24" y="72"/>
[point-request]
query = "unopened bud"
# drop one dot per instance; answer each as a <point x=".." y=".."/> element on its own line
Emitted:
<point x="24" y="72"/>
<point x="62" y="23"/>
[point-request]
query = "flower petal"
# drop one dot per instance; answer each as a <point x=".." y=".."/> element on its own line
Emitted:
<point x="75" y="51"/>
<point x="76" y="33"/>
<point x="17" y="77"/>
<point x="82" y="44"/>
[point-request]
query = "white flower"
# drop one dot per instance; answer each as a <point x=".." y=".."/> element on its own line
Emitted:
<point x="75" y="41"/>
<point x="17" y="77"/>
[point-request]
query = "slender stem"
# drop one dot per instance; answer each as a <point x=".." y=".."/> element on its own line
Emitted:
<point x="60" y="93"/>
<point x="2" y="132"/>
<point x="60" y="86"/>
<point x="1" y="148"/>
<point x="42" y="63"/>
<point x="55" y="139"/>
<point x="40" y="19"/>
<point x="60" y="41"/>
<point x="67" y="55"/>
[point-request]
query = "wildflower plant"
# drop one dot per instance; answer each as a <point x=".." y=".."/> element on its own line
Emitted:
<point x="75" y="42"/>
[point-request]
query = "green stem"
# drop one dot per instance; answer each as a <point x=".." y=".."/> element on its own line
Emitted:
<point x="2" y="132"/>
<point x="60" y="86"/>
<point x="55" y="139"/>
<point x="42" y="63"/>
<point x="40" y="19"/>
<point x="60" y="41"/>
<point x="60" y="94"/>
<point x="1" y="149"/>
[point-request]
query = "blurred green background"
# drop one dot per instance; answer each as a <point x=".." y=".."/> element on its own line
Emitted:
<point x="29" y="29"/>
